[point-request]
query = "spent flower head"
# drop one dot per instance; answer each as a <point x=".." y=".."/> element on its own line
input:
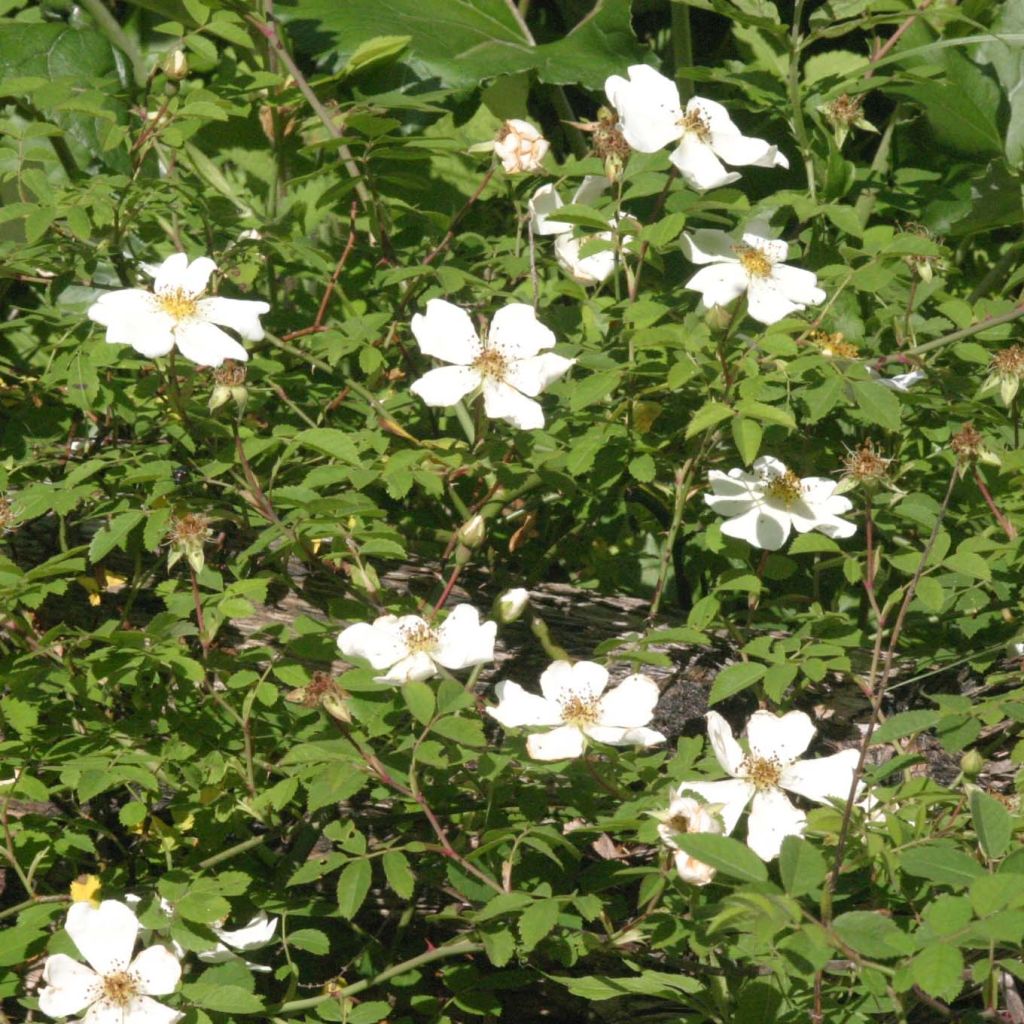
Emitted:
<point x="187" y="534"/>
<point x="843" y="113"/>
<point x="1006" y="370"/>
<point x="229" y="386"/>
<point x="968" y="445"/>
<point x="864" y="467"/>
<point x="683" y="816"/>
<point x="8" y="517"/>
<point x="176" y="315"/>
<point x="832" y="345"/>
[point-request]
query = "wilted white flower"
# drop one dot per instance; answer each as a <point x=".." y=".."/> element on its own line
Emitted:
<point x="573" y="699"/>
<point x="511" y="605"/>
<point x="520" y="147"/>
<point x="506" y="366"/>
<point x="115" y="989"/>
<point x="684" y="814"/>
<point x="901" y="382"/>
<point x="755" y="266"/>
<point x="410" y="649"/>
<point x="1006" y="370"/>
<point x="546" y="202"/>
<point x="759" y="778"/>
<point x="175" y="315"/>
<point x="764" y="505"/>
<point x="651" y="116"/>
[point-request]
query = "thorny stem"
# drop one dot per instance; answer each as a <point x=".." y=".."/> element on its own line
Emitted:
<point x="659" y="203"/>
<point x="966" y="332"/>
<point x="204" y="640"/>
<point x="883" y="48"/>
<point x="458" y="948"/>
<point x="329" y="290"/>
<point x="456" y="220"/>
<point x="231" y="851"/>
<point x="448" y="587"/>
<point x="1008" y="528"/>
<point x="681" y="483"/>
<point x="869" y="569"/>
<point x="19" y="907"/>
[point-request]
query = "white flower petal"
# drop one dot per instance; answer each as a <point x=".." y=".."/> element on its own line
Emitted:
<point x="446" y="332"/>
<point x="723" y="743"/>
<point x="592" y="269"/>
<point x="726" y="799"/>
<point x="170" y="274"/>
<point x="502" y="402"/>
<point x="768" y="465"/>
<point x="740" y="150"/>
<point x="691" y="870"/>
<point x="761" y="527"/>
<point x="255" y="935"/>
<point x="617" y="736"/>
<point x="414" y="668"/>
<point x="151" y="336"/>
<point x="242" y="315"/>
<point x="784" y="737"/>
<point x="207" y="345"/>
<point x="719" y="283"/>
<point x="157" y="970"/>
<point x="104" y="935"/>
<point x="141" y="1010"/>
<point x="708" y="245"/>
<point x="775" y="250"/>
<point x="379" y="646"/>
<point x="699" y="166"/>
<point x="630" y="704"/>
<point x="767" y="304"/>
<point x="543" y="204"/>
<point x="69" y="986"/>
<point x="824" y="778"/>
<point x="591" y="190"/>
<point x="566" y="741"/>
<point x="192" y="278"/>
<point x="447" y="384"/>
<point x="517" y="707"/>
<point x="772" y="818"/>
<point x="562" y="679"/>
<point x="648" y="108"/>
<point x="462" y="640"/>
<point x="124" y="304"/>
<point x="797" y="284"/>
<point x="517" y="333"/>
<point x="532" y="376"/>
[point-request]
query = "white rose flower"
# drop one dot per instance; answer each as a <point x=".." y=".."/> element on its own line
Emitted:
<point x="112" y="990"/>
<point x="511" y="605"/>
<point x="546" y="202"/>
<point x="754" y="266"/>
<point x="506" y="366"/>
<point x="764" y="505"/>
<point x="901" y="382"/>
<point x="175" y="315"/>
<point x="759" y="778"/>
<point x="684" y="814"/>
<point x="520" y="147"/>
<point x="574" y="701"/>
<point x="651" y="117"/>
<point x="410" y="649"/>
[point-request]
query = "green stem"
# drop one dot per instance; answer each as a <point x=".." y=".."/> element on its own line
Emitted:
<point x="109" y="26"/>
<point x="966" y="332"/>
<point x="682" y="48"/>
<point x="796" y="99"/>
<point x="231" y="851"/>
<point x="682" y="475"/>
<point x="463" y="946"/>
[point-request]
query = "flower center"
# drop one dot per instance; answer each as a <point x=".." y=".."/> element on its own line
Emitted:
<point x="753" y="261"/>
<point x="420" y="638"/>
<point x="763" y="772"/>
<point x="491" y="363"/>
<point x="580" y="711"/>
<point x="694" y="121"/>
<point x="680" y="822"/>
<point x="120" y="988"/>
<point x="177" y="303"/>
<point x="785" y="488"/>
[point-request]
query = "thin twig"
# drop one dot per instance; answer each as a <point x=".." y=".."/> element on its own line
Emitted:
<point x="884" y="48"/>
<point x="329" y="290"/>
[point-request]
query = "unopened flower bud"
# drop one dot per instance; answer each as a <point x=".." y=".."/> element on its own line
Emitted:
<point x="473" y="532"/>
<point x="175" y="65"/>
<point x="511" y="605"/>
<point x="718" y="318"/>
<point x="520" y="147"/>
<point x="971" y="764"/>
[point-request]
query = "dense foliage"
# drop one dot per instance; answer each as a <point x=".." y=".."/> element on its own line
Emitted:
<point x="185" y="533"/>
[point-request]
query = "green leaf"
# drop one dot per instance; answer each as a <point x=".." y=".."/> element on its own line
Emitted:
<point x="940" y="860"/>
<point x="879" y="404"/>
<point x="735" y="678"/>
<point x="311" y="940"/>
<point x="1008" y="62"/>
<point x="330" y="441"/>
<point x="536" y="922"/>
<point x="642" y="468"/>
<point x="938" y="969"/>
<point x="872" y="934"/>
<point x="222" y="998"/>
<point x="707" y="416"/>
<point x="419" y="699"/>
<point x="114" y="534"/>
<point x="353" y="886"/>
<point x="204" y="907"/>
<point x="905" y="723"/>
<point x="746" y="435"/>
<point x="398" y="873"/>
<point x="992" y="824"/>
<point x="970" y="564"/>
<point x="766" y="413"/>
<point x="727" y="855"/>
<point x="801" y="866"/>
<point x="649" y="983"/>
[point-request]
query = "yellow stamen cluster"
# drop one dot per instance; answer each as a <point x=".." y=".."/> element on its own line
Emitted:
<point x="579" y="710"/>
<point x="120" y="988"/>
<point x="695" y="122"/>
<point x="832" y="345"/>
<point x="177" y="303"/>
<point x="763" y="772"/>
<point x="491" y="363"/>
<point x="754" y="261"/>
<point x="784" y="487"/>
<point x="419" y="638"/>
